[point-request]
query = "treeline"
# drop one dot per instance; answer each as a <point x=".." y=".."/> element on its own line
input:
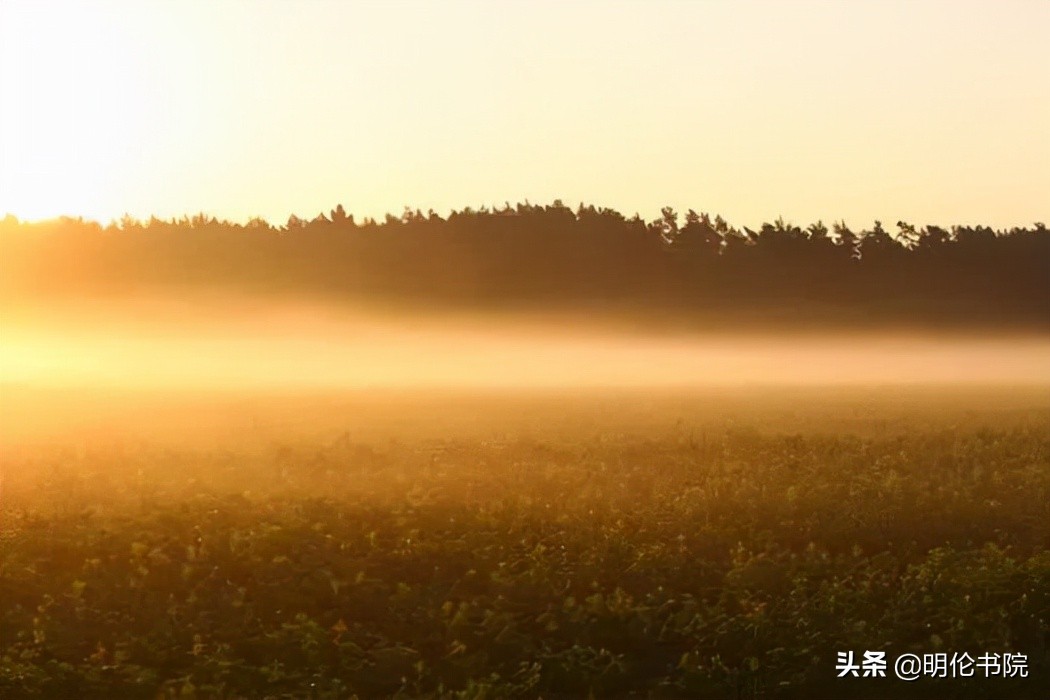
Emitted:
<point x="553" y="257"/>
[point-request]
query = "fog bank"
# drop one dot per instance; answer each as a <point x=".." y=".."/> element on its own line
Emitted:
<point x="221" y="344"/>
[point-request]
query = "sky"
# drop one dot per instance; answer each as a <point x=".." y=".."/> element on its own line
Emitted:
<point x="926" y="111"/>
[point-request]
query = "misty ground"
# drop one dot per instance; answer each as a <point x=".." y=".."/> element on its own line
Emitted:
<point x="720" y="542"/>
<point x="219" y="343"/>
<point x="229" y="497"/>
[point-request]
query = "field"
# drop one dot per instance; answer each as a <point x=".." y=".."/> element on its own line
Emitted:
<point x="719" y="545"/>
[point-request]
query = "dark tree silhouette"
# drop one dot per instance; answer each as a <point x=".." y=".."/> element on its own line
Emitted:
<point x="549" y="256"/>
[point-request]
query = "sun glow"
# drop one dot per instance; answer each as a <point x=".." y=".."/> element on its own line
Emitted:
<point x="242" y="109"/>
<point x="82" y="100"/>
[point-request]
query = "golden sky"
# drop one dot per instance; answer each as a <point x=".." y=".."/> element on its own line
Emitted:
<point x="931" y="112"/>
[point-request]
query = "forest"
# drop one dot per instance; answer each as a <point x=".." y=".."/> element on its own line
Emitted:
<point x="694" y="267"/>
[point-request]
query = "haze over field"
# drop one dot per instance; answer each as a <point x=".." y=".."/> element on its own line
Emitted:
<point x="176" y="344"/>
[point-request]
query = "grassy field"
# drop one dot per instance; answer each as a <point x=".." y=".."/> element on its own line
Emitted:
<point x="719" y="545"/>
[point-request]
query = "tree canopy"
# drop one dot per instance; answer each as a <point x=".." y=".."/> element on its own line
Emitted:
<point x="554" y="257"/>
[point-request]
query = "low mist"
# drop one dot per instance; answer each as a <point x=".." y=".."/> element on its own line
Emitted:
<point x="225" y="344"/>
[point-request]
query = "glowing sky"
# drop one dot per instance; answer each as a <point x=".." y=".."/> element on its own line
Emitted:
<point x="931" y="112"/>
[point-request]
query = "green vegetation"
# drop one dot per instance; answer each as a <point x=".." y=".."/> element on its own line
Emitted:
<point x="727" y="562"/>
